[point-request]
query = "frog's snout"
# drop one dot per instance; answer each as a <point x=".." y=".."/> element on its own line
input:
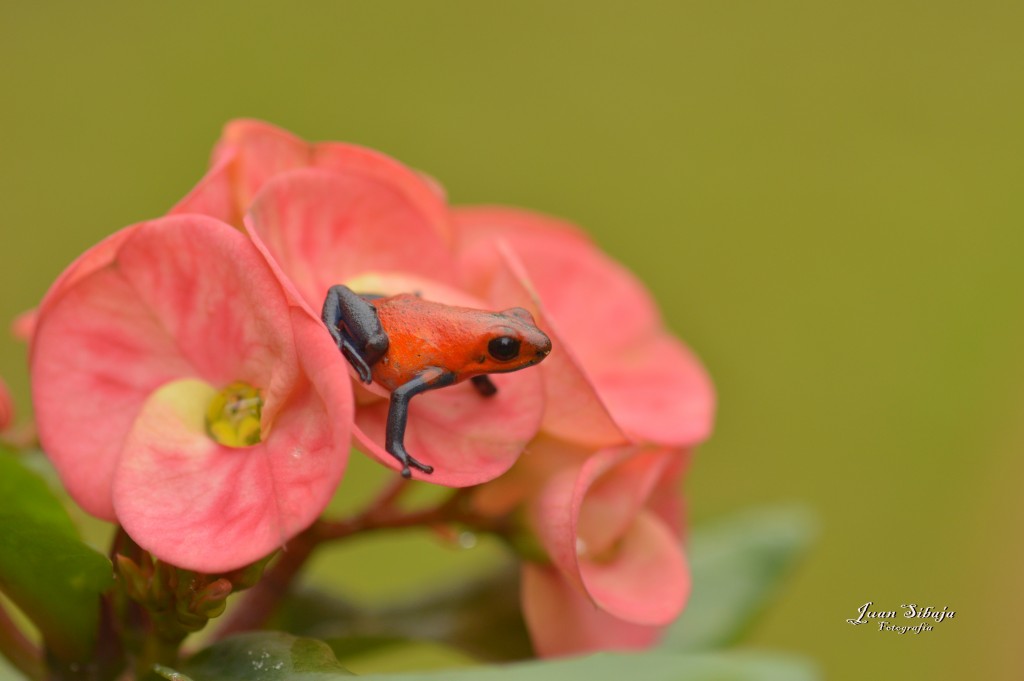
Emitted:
<point x="543" y="348"/>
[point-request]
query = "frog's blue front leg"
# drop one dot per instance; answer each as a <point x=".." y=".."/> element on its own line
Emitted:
<point x="353" y="323"/>
<point x="484" y="385"/>
<point x="398" y="415"/>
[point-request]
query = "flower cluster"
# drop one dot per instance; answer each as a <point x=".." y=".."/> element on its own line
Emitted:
<point x="186" y="389"/>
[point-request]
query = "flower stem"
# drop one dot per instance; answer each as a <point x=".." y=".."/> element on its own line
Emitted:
<point x="263" y="599"/>
<point x="157" y="649"/>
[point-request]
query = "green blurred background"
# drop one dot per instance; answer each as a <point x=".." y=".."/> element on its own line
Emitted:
<point x="824" y="197"/>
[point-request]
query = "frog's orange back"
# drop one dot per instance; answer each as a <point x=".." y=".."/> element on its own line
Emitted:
<point x="463" y="341"/>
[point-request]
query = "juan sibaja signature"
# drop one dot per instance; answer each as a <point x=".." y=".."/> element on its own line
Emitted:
<point x="910" y="611"/>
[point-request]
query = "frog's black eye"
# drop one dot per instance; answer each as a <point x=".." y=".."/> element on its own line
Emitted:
<point x="503" y="348"/>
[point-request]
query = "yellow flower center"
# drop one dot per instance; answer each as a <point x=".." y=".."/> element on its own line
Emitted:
<point x="233" y="415"/>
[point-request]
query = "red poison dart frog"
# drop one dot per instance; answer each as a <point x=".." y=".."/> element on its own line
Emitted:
<point x="410" y="345"/>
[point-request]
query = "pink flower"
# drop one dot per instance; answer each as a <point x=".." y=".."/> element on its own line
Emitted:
<point x="626" y="400"/>
<point x="610" y="525"/>
<point x="178" y="392"/>
<point x="332" y="213"/>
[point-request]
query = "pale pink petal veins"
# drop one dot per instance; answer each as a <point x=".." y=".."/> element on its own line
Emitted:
<point x="97" y="354"/>
<point x="206" y="507"/>
<point x="216" y="298"/>
<point x="564" y="621"/>
<point x="322" y="229"/>
<point x="203" y="506"/>
<point x="185" y="296"/>
<point x="653" y="386"/>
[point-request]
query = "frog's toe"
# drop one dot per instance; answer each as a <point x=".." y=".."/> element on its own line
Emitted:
<point x="419" y="466"/>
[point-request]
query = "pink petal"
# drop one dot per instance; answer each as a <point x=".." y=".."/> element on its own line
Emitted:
<point x="97" y="354"/>
<point x="555" y="512"/>
<point x="247" y="155"/>
<point x="654" y="388"/>
<point x="665" y="500"/>
<point x="566" y="269"/>
<point x="564" y="621"/>
<point x="203" y="506"/>
<point x="214" y="296"/>
<point x="258" y="152"/>
<point x="97" y="257"/>
<point x="618" y="484"/>
<point x="322" y="229"/>
<point x="647" y="580"/>
<point x="215" y="194"/>
<point x="422" y="191"/>
<point x="542" y="459"/>
<point x="478" y="228"/>
<point x="591" y="520"/>
<point x="658" y="392"/>
<point x="468" y="439"/>
<point x="575" y="412"/>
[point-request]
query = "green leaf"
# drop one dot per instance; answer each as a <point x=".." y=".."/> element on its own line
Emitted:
<point x="737" y="566"/>
<point x="632" y="666"/>
<point x="274" y="656"/>
<point x="480" y="616"/>
<point x="45" y="569"/>
<point x="402" y="657"/>
<point x="260" y="656"/>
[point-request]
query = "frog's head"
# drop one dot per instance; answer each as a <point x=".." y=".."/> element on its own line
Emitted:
<point x="513" y="342"/>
